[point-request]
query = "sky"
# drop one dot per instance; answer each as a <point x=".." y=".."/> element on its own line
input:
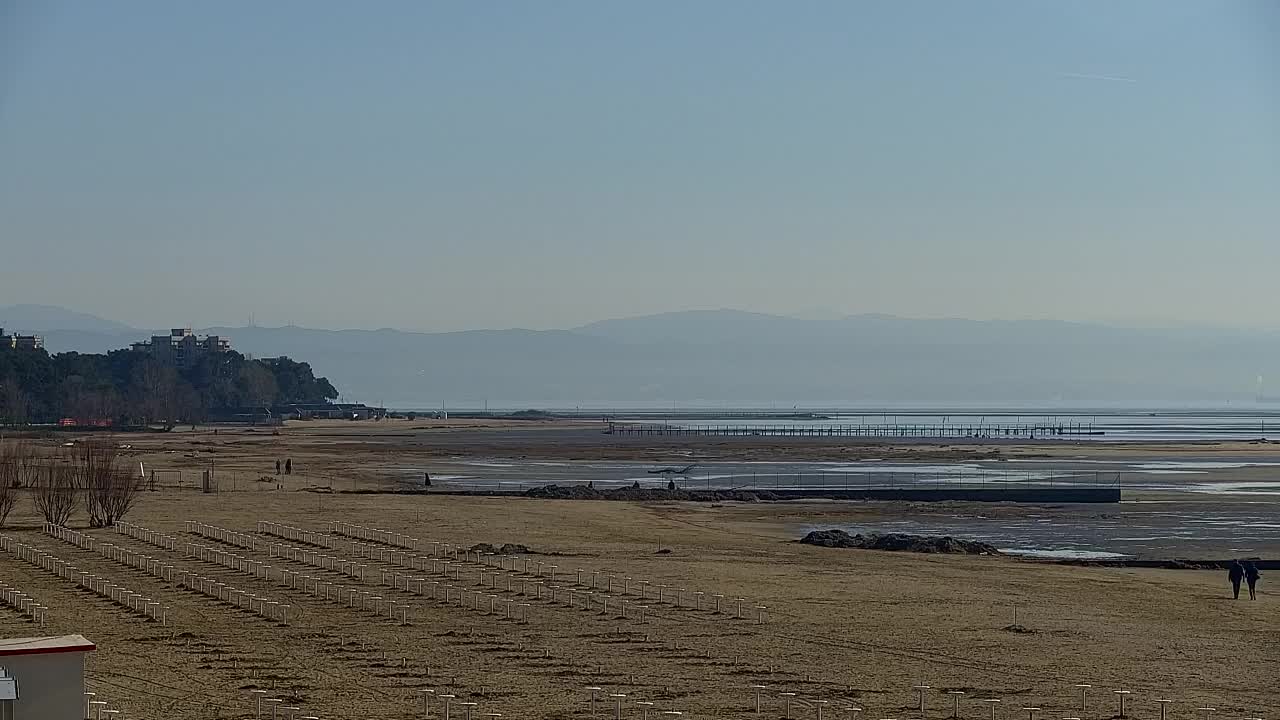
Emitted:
<point x="448" y="165"/>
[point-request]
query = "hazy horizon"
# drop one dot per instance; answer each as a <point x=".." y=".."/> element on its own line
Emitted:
<point x="438" y="167"/>
<point x="811" y="316"/>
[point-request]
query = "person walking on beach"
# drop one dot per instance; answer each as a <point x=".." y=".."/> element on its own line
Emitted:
<point x="1251" y="575"/>
<point x="1235" y="574"/>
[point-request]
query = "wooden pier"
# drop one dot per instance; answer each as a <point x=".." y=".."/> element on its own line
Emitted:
<point x="889" y="431"/>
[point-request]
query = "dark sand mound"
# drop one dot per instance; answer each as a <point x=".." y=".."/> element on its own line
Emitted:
<point x="504" y="549"/>
<point x="582" y="492"/>
<point x="899" y="542"/>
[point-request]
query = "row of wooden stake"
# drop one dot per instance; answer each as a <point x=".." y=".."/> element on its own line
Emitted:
<point x="158" y="568"/>
<point x="23" y="603"/>
<point x="596" y="589"/>
<point x="354" y="597"/>
<point x="956" y="696"/>
<point x="118" y="594"/>
<point x="95" y="709"/>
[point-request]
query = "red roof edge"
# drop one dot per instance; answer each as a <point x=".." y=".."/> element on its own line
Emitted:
<point x="89" y="647"/>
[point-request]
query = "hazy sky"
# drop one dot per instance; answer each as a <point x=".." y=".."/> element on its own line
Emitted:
<point x="435" y="165"/>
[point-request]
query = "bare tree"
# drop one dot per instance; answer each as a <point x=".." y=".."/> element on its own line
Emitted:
<point x="109" y="489"/>
<point x="55" y="490"/>
<point x="15" y="471"/>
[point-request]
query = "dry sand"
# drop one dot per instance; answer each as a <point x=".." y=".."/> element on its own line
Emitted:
<point x="846" y="626"/>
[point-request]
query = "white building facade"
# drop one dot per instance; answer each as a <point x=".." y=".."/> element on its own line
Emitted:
<point x="48" y="673"/>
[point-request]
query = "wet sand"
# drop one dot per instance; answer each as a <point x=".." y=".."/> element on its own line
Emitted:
<point x="1197" y="500"/>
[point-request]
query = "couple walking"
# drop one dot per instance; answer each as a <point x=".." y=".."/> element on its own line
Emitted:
<point x="1247" y="572"/>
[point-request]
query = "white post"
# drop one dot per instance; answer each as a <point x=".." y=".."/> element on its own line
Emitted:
<point x="921" y="690"/>
<point x="786" y="703"/>
<point x="1084" y="696"/>
<point x="593" y="690"/>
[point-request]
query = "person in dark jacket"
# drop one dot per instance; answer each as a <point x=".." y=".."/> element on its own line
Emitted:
<point x="1251" y="576"/>
<point x="1235" y="574"/>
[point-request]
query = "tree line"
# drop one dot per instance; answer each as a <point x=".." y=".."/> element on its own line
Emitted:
<point x="128" y="387"/>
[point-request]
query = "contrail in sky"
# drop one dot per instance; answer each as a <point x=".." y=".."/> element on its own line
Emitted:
<point x="1085" y="76"/>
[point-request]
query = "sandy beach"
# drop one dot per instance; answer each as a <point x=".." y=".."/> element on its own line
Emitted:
<point x="851" y="627"/>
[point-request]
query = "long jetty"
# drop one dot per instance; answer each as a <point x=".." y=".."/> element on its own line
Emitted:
<point x="940" y="431"/>
<point x="1035" y="494"/>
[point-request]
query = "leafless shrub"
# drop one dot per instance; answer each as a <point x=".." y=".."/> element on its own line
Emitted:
<point x="109" y="490"/>
<point x="55" y="490"/>
<point x="16" y="467"/>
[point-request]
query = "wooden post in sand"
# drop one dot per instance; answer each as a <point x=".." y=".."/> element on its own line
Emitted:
<point x="786" y="703"/>
<point x="921" y="690"/>
<point x="758" y="689"/>
<point x="955" y="702"/>
<point x="593" y="690"/>
<point x="993" y="703"/>
<point x="1084" y="696"/>
<point x="617" y="708"/>
<point x="1122" y="694"/>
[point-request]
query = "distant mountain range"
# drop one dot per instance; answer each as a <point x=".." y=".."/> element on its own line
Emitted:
<point x="731" y="357"/>
<point x="46" y="318"/>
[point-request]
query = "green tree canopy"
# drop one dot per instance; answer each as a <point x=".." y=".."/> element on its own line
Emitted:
<point x="133" y="387"/>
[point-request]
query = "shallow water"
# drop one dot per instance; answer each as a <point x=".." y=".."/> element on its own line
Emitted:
<point x="1212" y="477"/>
<point x="1110" y="425"/>
<point x="1193" y="508"/>
<point x="1125" y="534"/>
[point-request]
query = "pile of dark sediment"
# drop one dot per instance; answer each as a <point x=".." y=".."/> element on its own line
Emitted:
<point x="899" y="542"/>
<point x="583" y="492"/>
<point x="504" y="549"/>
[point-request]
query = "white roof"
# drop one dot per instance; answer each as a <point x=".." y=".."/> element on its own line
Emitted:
<point x="39" y="645"/>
